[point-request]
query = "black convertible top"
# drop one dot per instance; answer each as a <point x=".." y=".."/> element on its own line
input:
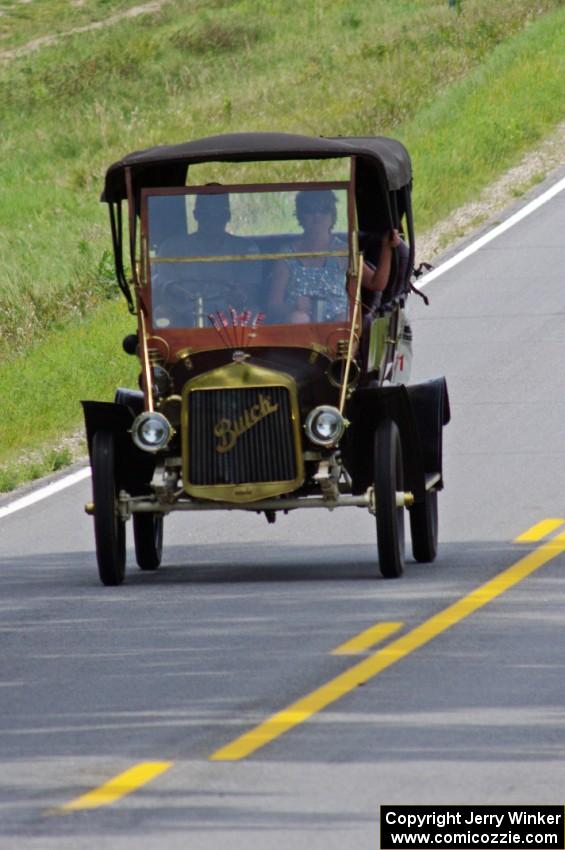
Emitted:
<point x="167" y="165"/>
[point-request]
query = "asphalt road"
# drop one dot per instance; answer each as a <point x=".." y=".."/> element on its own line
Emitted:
<point x="153" y="678"/>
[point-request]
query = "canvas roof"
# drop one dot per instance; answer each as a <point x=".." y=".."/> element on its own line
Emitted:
<point x="166" y="165"/>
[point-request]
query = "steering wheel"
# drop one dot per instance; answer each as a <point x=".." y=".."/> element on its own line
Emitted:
<point x="208" y="290"/>
<point x="192" y="300"/>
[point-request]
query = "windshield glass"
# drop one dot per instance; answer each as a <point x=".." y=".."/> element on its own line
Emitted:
<point x="240" y="258"/>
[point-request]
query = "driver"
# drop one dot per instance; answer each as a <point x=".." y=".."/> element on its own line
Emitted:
<point x="218" y="284"/>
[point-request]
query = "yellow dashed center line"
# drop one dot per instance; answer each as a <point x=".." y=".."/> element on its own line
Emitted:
<point x="360" y="673"/>
<point x="135" y="777"/>
<point x="126" y="782"/>
<point x="365" y="640"/>
<point x="539" y="531"/>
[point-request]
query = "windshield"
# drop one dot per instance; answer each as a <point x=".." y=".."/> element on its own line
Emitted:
<point x="242" y="258"/>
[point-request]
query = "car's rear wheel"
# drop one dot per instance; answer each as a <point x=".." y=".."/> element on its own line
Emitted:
<point x="389" y="478"/>
<point x="109" y="528"/>
<point x="148" y="538"/>
<point x="424" y="528"/>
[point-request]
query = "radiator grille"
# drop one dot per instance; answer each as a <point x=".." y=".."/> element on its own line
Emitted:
<point x="240" y="436"/>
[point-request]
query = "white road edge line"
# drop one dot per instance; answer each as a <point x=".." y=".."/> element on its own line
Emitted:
<point x="492" y="234"/>
<point x="45" y="492"/>
<point x="75" y="477"/>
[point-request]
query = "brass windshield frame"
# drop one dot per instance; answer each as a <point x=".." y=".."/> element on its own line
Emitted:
<point x="230" y="258"/>
<point x="245" y="188"/>
<point x="352" y="252"/>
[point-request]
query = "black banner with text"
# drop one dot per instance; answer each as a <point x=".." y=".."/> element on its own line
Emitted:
<point x="472" y="827"/>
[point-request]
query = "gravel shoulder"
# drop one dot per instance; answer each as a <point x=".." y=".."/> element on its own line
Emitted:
<point x="512" y="188"/>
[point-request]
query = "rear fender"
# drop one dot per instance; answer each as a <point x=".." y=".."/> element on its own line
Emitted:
<point x="430" y="405"/>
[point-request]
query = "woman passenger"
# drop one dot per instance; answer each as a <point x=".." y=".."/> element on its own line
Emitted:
<point x="309" y="289"/>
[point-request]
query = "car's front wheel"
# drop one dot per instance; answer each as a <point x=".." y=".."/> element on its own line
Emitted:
<point x="109" y="528"/>
<point x="389" y="478"/>
<point x="148" y="538"/>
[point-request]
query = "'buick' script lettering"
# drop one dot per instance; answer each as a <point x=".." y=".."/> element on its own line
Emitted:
<point x="228" y="432"/>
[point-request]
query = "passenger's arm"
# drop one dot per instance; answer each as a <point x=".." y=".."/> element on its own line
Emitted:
<point x="376" y="279"/>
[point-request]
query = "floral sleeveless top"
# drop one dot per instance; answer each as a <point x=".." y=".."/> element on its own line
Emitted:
<point x="326" y="282"/>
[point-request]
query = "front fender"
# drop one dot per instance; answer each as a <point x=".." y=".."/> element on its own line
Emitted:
<point x="134" y="468"/>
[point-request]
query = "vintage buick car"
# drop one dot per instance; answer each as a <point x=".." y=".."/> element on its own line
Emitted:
<point x="273" y="345"/>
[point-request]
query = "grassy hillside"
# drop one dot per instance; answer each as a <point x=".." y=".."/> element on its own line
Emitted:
<point x="468" y="92"/>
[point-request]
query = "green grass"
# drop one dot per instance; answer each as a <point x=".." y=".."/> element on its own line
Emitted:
<point x="484" y="123"/>
<point x="21" y="23"/>
<point x="41" y="391"/>
<point x="198" y="68"/>
<point x="30" y="468"/>
<point x="468" y="93"/>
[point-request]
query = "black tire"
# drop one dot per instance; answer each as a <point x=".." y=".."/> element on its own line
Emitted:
<point x="148" y="538"/>
<point x="424" y="528"/>
<point x="389" y="478"/>
<point x="109" y="529"/>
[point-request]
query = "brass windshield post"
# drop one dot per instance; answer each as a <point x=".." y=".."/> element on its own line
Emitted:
<point x="352" y="334"/>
